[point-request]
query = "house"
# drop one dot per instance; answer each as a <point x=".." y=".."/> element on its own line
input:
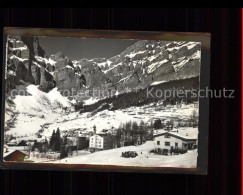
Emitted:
<point x="22" y="143"/>
<point x="16" y="156"/>
<point x="12" y="142"/>
<point x="169" y="127"/>
<point x="181" y="139"/>
<point x="31" y="142"/>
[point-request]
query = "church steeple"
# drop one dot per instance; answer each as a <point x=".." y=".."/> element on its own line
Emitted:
<point x="94" y="129"/>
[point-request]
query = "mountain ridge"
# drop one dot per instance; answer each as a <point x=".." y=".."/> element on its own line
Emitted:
<point x="145" y="63"/>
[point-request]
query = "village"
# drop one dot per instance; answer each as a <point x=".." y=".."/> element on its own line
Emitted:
<point x="168" y="137"/>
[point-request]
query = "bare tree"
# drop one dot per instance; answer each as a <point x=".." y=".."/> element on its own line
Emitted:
<point x="194" y="118"/>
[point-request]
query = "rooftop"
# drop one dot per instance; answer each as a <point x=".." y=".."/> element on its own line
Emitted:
<point x="184" y="132"/>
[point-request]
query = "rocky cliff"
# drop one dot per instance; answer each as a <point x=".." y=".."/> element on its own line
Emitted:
<point x="24" y="64"/>
<point x="143" y="64"/>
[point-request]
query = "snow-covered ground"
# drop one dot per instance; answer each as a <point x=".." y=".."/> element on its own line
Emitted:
<point x="43" y="111"/>
<point x="35" y="110"/>
<point x="41" y="108"/>
<point x="144" y="158"/>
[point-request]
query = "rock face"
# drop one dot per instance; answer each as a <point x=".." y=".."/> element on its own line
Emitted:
<point x="139" y="66"/>
<point x="142" y="64"/>
<point x="67" y="79"/>
<point x="22" y="64"/>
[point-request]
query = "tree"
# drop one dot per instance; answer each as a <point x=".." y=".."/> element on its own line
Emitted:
<point x="194" y="118"/>
<point x="128" y="126"/>
<point x="158" y="124"/>
<point x="65" y="140"/>
<point x="64" y="152"/>
<point x="134" y="131"/>
<point x="45" y="146"/>
<point x="118" y="136"/>
<point x="52" y="140"/>
<point x="134" y="127"/>
<point x="58" y="140"/>
<point x="55" y="141"/>
<point x="142" y="131"/>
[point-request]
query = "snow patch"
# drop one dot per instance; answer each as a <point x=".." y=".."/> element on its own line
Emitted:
<point x="155" y="65"/>
<point x="16" y="57"/>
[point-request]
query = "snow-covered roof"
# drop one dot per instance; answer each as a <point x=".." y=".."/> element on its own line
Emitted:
<point x="187" y="133"/>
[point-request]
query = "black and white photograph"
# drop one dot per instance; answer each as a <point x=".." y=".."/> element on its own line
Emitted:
<point x="118" y="100"/>
<point x="101" y="101"/>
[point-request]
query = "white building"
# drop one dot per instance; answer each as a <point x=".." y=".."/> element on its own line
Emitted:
<point x="182" y="138"/>
<point x="96" y="142"/>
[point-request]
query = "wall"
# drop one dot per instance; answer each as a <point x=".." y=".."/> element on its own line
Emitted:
<point x="96" y="141"/>
<point x="162" y="140"/>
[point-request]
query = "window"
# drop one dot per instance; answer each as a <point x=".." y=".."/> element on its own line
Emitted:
<point x="158" y="142"/>
<point x="176" y="144"/>
<point x="167" y="143"/>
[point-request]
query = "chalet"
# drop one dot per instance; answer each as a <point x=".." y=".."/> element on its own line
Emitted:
<point x="169" y="127"/>
<point x="31" y="142"/>
<point x="22" y="143"/>
<point x="181" y="139"/>
<point x="16" y="156"/>
<point x="12" y="142"/>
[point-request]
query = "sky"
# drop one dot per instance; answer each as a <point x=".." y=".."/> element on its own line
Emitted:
<point x="78" y="48"/>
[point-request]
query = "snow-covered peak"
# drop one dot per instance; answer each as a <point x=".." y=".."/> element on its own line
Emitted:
<point x="47" y="61"/>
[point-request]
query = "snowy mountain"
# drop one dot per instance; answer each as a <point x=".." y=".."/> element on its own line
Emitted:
<point x="141" y="65"/>
<point x="159" y="64"/>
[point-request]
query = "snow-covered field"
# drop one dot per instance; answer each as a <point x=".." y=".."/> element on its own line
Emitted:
<point x="44" y="111"/>
<point x="35" y="110"/>
<point x="144" y="158"/>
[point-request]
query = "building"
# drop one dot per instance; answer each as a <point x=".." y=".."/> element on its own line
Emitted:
<point x="100" y="141"/>
<point x="22" y="143"/>
<point x="182" y="139"/>
<point x="16" y="156"/>
<point x="96" y="142"/>
<point x="77" y="143"/>
<point x="82" y="143"/>
<point x="12" y="142"/>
